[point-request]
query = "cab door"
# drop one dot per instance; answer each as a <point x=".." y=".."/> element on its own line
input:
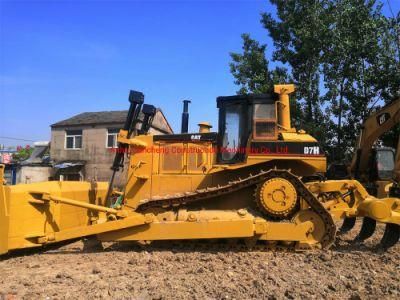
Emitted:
<point x="233" y="132"/>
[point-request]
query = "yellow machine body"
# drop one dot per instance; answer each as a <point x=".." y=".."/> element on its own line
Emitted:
<point x="263" y="184"/>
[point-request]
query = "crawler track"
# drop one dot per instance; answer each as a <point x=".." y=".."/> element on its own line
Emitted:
<point x="171" y="201"/>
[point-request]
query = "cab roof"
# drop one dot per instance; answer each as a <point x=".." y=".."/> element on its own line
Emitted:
<point x="248" y="98"/>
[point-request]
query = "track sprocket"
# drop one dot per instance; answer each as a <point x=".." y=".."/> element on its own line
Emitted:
<point x="276" y="197"/>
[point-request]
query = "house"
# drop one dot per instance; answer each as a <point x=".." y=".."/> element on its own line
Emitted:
<point x="37" y="167"/>
<point x="82" y="146"/>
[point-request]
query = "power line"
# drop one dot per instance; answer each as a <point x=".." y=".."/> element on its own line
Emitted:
<point x="16" y="139"/>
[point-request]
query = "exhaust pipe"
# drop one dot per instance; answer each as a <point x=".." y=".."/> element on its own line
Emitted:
<point x="185" y="117"/>
<point x="283" y="90"/>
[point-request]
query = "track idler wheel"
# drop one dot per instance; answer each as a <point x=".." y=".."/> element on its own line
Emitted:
<point x="367" y="229"/>
<point x="315" y="236"/>
<point x="277" y="198"/>
<point x="391" y="235"/>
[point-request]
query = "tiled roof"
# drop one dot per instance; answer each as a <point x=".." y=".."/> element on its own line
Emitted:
<point x="107" y="117"/>
<point x="90" y="118"/>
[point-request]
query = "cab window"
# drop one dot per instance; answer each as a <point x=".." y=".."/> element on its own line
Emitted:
<point x="385" y="164"/>
<point x="264" y="121"/>
<point x="231" y="138"/>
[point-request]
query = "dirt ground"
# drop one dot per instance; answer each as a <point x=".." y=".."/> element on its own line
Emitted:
<point x="192" y="271"/>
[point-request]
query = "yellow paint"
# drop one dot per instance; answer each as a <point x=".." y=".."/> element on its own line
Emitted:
<point x="297" y="136"/>
<point x="31" y="220"/>
<point x="4" y="215"/>
<point x="277" y="196"/>
<point x="283" y="91"/>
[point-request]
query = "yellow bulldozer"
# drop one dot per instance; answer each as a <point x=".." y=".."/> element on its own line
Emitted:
<point x="257" y="179"/>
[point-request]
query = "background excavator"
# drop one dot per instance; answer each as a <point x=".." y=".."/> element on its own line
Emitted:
<point x="375" y="167"/>
<point x="250" y="180"/>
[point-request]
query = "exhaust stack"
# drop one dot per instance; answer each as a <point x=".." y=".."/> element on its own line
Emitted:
<point x="283" y="104"/>
<point x="185" y="117"/>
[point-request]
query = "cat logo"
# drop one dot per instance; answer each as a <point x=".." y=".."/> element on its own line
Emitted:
<point x="195" y="137"/>
<point x="382" y="118"/>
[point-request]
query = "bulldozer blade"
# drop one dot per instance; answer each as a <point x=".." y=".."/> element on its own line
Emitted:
<point x="391" y="235"/>
<point x="367" y="229"/>
<point x="347" y="225"/>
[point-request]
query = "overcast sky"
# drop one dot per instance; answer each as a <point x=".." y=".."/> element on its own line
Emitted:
<point x="61" y="58"/>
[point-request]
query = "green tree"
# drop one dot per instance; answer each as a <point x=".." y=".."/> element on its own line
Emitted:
<point x="298" y="34"/>
<point x="388" y="71"/>
<point x="360" y="66"/>
<point x="350" y="57"/>
<point x="343" y="56"/>
<point x="251" y="68"/>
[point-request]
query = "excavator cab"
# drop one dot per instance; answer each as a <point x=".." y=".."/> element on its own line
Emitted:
<point x="381" y="164"/>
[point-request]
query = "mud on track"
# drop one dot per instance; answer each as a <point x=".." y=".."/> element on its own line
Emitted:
<point x="168" y="271"/>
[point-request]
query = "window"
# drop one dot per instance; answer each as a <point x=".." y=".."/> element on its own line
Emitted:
<point x="264" y="121"/>
<point x="385" y="163"/>
<point x="73" y="139"/>
<point x="231" y="140"/>
<point x="264" y="111"/>
<point x="112" y="135"/>
<point x="264" y="129"/>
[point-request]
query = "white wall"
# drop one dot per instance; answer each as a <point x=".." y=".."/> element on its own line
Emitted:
<point x="31" y="174"/>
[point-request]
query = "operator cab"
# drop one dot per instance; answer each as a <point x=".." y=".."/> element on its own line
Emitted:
<point x="243" y="118"/>
<point x="381" y="164"/>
